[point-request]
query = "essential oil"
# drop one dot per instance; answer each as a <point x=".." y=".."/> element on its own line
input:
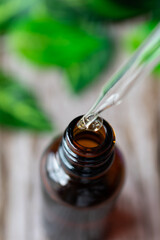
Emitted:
<point x="82" y="174"/>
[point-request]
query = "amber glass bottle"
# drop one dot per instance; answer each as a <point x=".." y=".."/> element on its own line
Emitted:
<point x="82" y="174"/>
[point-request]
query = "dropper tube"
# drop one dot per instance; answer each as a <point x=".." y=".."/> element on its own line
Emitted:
<point x="139" y="66"/>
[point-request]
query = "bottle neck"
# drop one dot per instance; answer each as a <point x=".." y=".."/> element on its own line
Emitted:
<point x="87" y="154"/>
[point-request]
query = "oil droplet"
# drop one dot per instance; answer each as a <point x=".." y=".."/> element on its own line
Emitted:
<point x="91" y="123"/>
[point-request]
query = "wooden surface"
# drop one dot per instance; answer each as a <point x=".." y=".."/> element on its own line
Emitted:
<point x="137" y="125"/>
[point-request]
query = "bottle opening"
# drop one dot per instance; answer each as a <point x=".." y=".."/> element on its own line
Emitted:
<point x="87" y="143"/>
<point x="90" y="122"/>
<point x="89" y="139"/>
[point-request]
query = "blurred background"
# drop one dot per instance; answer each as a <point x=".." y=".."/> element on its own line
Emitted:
<point x="55" y="56"/>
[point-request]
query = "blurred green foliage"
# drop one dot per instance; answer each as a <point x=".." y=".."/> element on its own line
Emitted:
<point x="82" y="52"/>
<point x="100" y="9"/>
<point x="12" y="9"/>
<point x="67" y="34"/>
<point x="19" y="108"/>
<point x="137" y="35"/>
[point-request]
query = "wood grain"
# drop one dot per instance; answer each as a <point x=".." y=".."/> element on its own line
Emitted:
<point x="3" y="187"/>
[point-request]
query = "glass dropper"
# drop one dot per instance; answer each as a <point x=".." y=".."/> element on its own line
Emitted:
<point x="139" y="66"/>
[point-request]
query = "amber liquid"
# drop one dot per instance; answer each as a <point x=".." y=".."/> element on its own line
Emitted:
<point x="89" y="139"/>
<point x="74" y="208"/>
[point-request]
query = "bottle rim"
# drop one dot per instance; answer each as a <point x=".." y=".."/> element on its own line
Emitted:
<point x="88" y="152"/>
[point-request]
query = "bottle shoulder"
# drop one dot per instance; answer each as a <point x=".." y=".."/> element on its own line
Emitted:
<point x="66" y="189"/>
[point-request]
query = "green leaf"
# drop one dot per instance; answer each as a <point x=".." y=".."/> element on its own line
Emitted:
<point x="102" y="9"/>
<point x="114" y="10"/>
<point x="9" y="9"/>
<point x="136" y="36"/>
<point x="81" y="75"/>
<point x="82" y="51"/>
<point x="19" y="108"/>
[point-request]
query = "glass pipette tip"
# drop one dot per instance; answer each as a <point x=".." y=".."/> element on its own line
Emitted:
<point x="140" y="64"/>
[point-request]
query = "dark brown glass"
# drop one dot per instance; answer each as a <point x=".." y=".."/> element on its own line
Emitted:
<point x="82" y="174"/>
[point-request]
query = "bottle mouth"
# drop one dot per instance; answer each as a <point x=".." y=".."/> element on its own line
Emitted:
<point x="86" y="138"/>
<point x="90" y="122"/>
<point x="88" y="142"/>
<point x="87" y="153"/>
